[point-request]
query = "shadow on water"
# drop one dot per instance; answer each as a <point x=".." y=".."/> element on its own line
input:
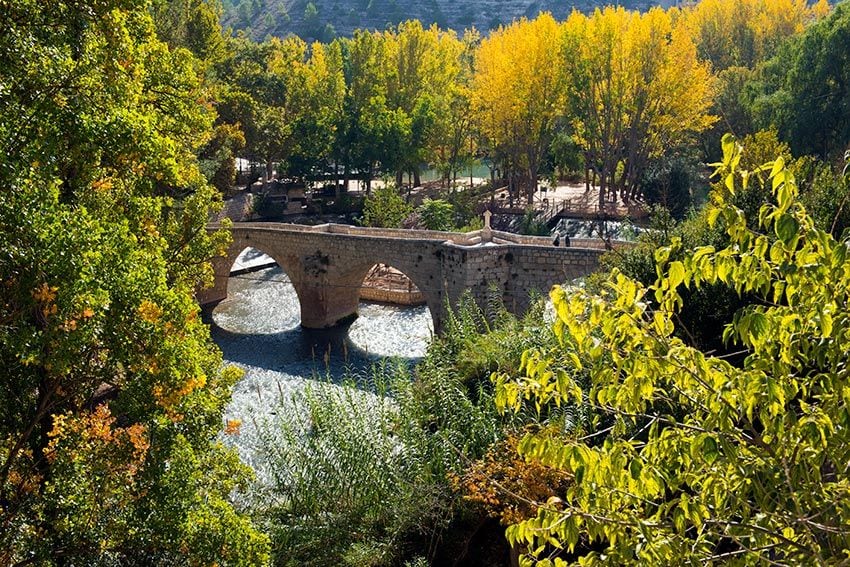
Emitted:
<point x="258" y="327"/>
<point x="305" y="353"/>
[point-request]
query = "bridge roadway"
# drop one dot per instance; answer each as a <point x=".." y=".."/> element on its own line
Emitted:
<point x="327" y="264"/>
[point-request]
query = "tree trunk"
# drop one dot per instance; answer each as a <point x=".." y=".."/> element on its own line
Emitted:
<point x="369" y="179"/>
<point x="337" y="187"/>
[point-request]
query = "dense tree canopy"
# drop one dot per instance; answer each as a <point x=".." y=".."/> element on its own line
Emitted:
<point x="518" y="93"/>
<point x="744" y="33"/>
<point x="634" y="88"/>
<point x="112" y="391"/>
<point x="804" y="90"/>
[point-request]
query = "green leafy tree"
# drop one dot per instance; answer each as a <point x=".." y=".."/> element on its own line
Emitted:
<point x="700" y="460"/>
<point x="804" y="89"/>
<point x="385" y="208"/>
<point x="268" y="96"/>
<point x="365" y="122"/>
<point x="112" y="390"/>
<point x="191" y="24"/>
<point x="437" y="214"/>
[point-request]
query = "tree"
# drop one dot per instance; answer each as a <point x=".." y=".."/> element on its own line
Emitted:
<point x="452" y="143"/>
<point x="437" y="214"/>
<point x="517" y="95"/>
<point x="634" y="88"/>
<point x="268" y="97"/>
<point x="804" y="90"/>
<point x="365" y="119"/>
<point x="191" y="24"/>
<point x="112" y="393"/>
<point x="734" y="33"/>
<point x="385" y="208"/>
<point x="699" y="458"/>
<point x="422" y="70"/>
<point x="324" y="92"/>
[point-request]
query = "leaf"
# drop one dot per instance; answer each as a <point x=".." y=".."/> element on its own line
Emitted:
<point x="786" y="228"/>
<point x="826" y="324"/>
<point x="676" y="274"/>
<point x="777" y="166"/>
<point x="728" y="145"/>
<point x="757" y="325"/>
<point x="634" y="469"/>
<point x="709" y="449"/>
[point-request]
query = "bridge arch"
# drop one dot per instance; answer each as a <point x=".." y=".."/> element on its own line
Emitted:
<point x="422" y="279"/>
<point x="223" y="271"/>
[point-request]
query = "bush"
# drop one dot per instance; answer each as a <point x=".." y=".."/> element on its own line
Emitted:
<point x="670" y="181"/>
<point x="361" y="474"/>
<point x="385" y="208"/>
<point x="436" y="214"/>
<point x="706" y="461"/>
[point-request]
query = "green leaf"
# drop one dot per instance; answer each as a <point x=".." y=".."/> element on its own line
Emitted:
<point x="786" y="228"/>
<point x="757" y="325"/>
<point x="709" y="449"/>
<point x="634" y="468"/>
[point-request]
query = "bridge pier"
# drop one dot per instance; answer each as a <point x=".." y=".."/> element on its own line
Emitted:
<point x="325" y="305"/>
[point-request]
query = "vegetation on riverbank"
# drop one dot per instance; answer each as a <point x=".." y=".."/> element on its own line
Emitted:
<point x="689" y="405"/>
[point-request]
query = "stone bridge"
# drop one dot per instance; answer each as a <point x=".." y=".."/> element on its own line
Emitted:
<point x="327" y="264"/>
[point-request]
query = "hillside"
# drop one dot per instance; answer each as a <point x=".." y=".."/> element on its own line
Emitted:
<point x="326" y="19"/>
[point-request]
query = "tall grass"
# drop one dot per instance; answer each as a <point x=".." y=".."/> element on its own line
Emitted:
<point x="359" y="472"/>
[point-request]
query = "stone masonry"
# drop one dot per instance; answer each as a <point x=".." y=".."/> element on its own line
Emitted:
<point x="327" y="265"/>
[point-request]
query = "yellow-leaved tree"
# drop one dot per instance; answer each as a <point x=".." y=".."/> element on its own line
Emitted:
<point x="634" y="87"/>
<point x="517" y="95"/>
<point x="741" y="33"/>
<point x="696" y="460"/>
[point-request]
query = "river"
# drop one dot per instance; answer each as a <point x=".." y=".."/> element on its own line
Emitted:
<point x="258" y="329"/>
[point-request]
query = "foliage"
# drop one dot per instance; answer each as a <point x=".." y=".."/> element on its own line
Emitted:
<point x="362" y="477"/>
<point x="437" y="214"/>
<point x="193" y="25"/>
<point x="217" y="158"/>
<point x="804" y="88"/>
<point x="366" y="473"/>
<point x="529" y="224"/>
<point x="634" y="88"/>
<point x="112" y="391"/>
<point x="517" y="92"/>
<point x="735" y="33"/>
<point x="268" y="96"/>
<point x="731" y="104"/>
<point x="348" y="481"/>
<point x="827" y="196"/>
<point x="671" y="180"/>
<point x="508" y="486"/>
<point x="704" y="460"/>
<point x="385" y="208"/>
